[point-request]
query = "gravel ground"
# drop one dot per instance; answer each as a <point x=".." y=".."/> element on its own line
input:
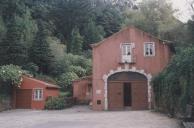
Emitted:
<point x="83" y="117"/>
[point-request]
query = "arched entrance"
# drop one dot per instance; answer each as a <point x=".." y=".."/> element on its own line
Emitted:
<point x="127" y="90"/>
<point x="126" y="69"/>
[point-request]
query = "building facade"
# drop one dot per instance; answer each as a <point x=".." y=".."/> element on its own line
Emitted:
<point x="123" y="66"/>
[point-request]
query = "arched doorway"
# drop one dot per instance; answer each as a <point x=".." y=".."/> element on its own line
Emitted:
<point x="127" y="90"/>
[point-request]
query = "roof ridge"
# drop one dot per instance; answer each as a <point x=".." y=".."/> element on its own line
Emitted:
<point x="123" y="29"/>
<point x="48" y="84"/>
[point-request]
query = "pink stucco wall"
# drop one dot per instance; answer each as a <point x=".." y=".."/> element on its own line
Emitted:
<point x="82" y="90"/>
<point x="107" y="55"/>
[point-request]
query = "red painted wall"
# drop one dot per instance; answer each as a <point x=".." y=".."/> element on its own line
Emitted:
<point x="31" y="83"/>
<point x="107" y="55"/>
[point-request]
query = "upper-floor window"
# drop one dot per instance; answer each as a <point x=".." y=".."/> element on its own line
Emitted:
<point x="149" y="49"/>
<point x="126" y="53"/>
<point x="38" y="94"/>
<point x="126" y="49"/>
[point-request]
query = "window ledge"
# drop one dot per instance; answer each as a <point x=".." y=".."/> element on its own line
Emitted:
<point x="38" y="99"/>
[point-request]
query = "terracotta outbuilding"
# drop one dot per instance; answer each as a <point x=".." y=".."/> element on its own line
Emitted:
<point x="123" y="67"/>
<point x="82" y="89"/>
<point x="33" y="93"/>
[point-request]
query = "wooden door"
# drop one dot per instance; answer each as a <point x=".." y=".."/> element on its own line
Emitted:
<point x="23" y="98"/>
<point x="115" y="95"/>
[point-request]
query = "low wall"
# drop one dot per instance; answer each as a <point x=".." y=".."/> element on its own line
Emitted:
<point x="5" y="96"/>
<point x="5" y="104"/>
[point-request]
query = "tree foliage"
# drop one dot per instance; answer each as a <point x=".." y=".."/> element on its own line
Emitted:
<point x="153" y="16"/>
<point x="13" y="49"/>
<point x="11" y="75"/>
<point x="110" y="19"/>
<point x="73" y="63"/>
<point x="66" y="79"/>
<point x="76" y="42"/>
<point x="93" y="34"/>
<point x="40" y="52"/>
<point x="173" y="88"/>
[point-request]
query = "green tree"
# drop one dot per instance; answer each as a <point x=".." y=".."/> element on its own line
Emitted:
<point x="2" y="28"/>
<point x="40" y="52"/>
<point x="78" y="70"/>
<point x="109" y="18"/>
<point x="70" y="13"/>
<point x="153" y="16"/>
<point x="76" y="42"/>
<point x="73" y="63"/>
<point x="191" y="31"/>
<point x="173" y="88"/>
<point x="123" y="5"/>
<point x="66" y="79"/>
<point x="13" y="49"/>
<point x="92" y="34"/>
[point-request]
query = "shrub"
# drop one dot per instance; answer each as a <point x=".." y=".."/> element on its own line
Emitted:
<point x="174" y="87"/>
<point x="58" y="103"/>
<point x="65" y="80"/>
<point x="55" y="103"/>
<point x="81" y="65"/>
<point x="66" y="94"/>
<point x="78" y="70"/>
<point x="11" y="74"/>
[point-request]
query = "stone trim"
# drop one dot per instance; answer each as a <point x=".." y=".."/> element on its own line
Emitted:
<point x="125" y="69"/>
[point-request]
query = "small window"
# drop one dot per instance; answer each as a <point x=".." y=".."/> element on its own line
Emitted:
<point x="149" y="49"/>
<point x="98" y="102"/>
<point x="38" y="94"/>
<point x="126" y="49"/>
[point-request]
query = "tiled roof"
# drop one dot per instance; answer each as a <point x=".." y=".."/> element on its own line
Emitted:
<point x="49" y="85"/>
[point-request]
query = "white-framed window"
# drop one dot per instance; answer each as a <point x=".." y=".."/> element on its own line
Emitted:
<point x="126" y="49"/>
<point x="38" y="94"/>
<point x="149" y="49"/>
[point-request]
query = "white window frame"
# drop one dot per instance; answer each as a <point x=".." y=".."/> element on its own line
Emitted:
<point x="125" y="58"/>
<point x="122" y="50"/>
<point x="40" y="96"/>
<point x="153" y="50"/>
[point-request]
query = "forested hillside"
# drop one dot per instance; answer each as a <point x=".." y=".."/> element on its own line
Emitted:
<point x="51" y="38"/>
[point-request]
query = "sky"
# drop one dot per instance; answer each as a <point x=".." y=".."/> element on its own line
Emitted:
<point x="184" y="13"/>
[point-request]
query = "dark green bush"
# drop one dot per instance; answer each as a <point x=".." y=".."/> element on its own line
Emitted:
<point x="58" y="103"/>
<point x="55" y="103"/>
<point x="174" y="87"/>
<point x="66" y="94"/>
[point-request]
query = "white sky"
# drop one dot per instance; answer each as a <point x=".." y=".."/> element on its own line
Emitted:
<point x="184" y="13"/>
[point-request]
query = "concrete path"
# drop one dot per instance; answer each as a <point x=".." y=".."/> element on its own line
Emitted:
<point x="82" y="117"/>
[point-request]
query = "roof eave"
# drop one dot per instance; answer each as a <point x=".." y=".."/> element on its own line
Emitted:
<point x="131" y="26"/>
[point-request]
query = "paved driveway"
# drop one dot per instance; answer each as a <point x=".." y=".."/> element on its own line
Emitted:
<point x="82" y="117"/>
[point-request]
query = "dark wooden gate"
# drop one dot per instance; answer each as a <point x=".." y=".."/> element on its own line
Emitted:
<point x="23" y="98"/>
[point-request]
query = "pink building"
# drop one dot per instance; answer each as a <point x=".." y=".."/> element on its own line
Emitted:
<point x="123" y="66"/>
